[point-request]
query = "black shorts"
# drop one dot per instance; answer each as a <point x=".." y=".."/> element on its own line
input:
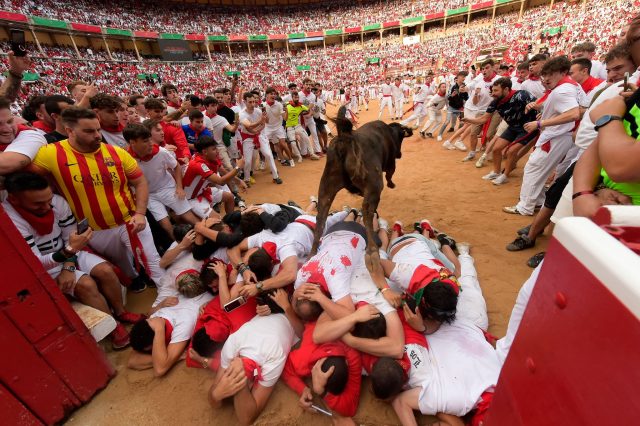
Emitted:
<point x="554" y="193"/>
<point x="319" y="124"/>
<point x="518" y="134"/>
<point x="354" y="227"/>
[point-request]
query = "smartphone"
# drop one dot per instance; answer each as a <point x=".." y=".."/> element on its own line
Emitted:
<point x="83" y="225"/>
<point x="18" y="43"/>
<point x="625" y="86"/>
<point x="235" y="304"/>
<point x="321" y="410"/>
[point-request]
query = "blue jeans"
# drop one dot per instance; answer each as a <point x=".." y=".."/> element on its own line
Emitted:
<point x="452" y="118"/>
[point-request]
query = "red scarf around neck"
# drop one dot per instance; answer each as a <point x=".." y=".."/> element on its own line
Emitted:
<point x="154" y="151"/>
<point x="174" y="105"/>
<point x="590" y="83"/>
<point x="565" y="80"/>
<point x="507" y="98"/>
<point x="489" y="79"/>
<point x="118" y="129"/>
<point x="270" y="103"/>
<point x="211" y="115"/>
<point x="42" y="224"/>
<point x="534" y="77"/>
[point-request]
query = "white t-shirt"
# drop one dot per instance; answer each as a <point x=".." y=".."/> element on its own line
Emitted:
<point x="309" y="101"/>
<point x="385" y="89"/>
<point x="437" y="102"/>
<point x="460" y="366"/>
<point x="183" y="316"/>
<point x="561" y="99"/>
<point x="115" y="139"/>
<point x="274" y="114"/>
<point x="485" y="97"/>
<point x="265" y="340"/>
<point x="156" y="170"/>
<point x="598" y="70"/>
<point x="534" y="87"/>
<point x="167" y="283"/>
<point x="363" y="289"/>
<point x="256" y="115"/>
<point x="218" y="123"/>
<point x="339" y="255"/>
<point x="294" y="240"/>
<point x="398" y="91"/>
<point x="28" y="142"/>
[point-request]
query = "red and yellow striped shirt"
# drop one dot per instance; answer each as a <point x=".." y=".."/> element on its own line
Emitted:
<point x="94" y="184"/>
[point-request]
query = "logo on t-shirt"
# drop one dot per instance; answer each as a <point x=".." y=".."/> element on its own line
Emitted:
<point x="205" y="168"/>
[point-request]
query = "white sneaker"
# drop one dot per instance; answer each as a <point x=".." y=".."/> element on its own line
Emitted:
<point x="481" y="160"/>
<point x="299" y="158"/>
<point x="262" y="165"/>
<point x="500" y="180"/>
<point x="292" y="163"/>
<point x="459" y="145"/>
<point x="439" y="138"/>
<point x="470" y="156"/>
<point x="313" y="199"/>
<point x="463" y="248"/>
<point x="491" y="176"/>
<point x="448" y="146"/>
<point x="314" y="157"/>
<point x="383" y="224"/>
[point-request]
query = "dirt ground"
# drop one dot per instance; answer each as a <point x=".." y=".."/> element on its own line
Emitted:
<point x="431" y="183"/>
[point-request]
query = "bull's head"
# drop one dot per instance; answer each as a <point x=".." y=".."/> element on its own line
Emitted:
<point x="399" y="133"/>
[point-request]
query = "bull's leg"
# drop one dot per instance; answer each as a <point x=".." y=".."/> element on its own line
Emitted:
<point x="369" y="207"/>
<point x="329" y="187"/>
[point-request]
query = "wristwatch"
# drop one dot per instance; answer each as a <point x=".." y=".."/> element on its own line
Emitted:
<point x="70" y="268"/>
<point x="604" y="120"/>
<point x="259" y="286"/>
<point x="237" y="169"/>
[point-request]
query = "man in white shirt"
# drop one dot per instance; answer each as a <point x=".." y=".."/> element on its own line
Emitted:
<point x="386" y="100"/>
<point x="588" y="50"/>
<point x="561" y="111"/>
<point x="421" y="93"/>
<point x="308" y="99"/>
<point x="217" y="125"/>
<point x="252" y="360"/>
<point x="273" y="131"/>
<point x="522" y="73"/>
<point x="252" y="123"/>
<point x="580" y="73"/>
<point x="533" y="84"/>
<point x="397" y="92"/>
<point x="107" y="108"/>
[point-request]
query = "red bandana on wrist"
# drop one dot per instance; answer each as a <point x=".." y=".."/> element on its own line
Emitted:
<point x="154" y="151"/>
<point x="42" y="224"/>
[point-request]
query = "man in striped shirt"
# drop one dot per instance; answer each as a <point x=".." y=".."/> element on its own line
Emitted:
<point x="94" y="178"/>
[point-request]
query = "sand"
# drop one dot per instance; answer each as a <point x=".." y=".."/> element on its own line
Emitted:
<point x="431" y="183"/>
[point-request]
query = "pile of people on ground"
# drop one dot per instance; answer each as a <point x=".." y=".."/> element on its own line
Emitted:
<point x="140" y="185"/>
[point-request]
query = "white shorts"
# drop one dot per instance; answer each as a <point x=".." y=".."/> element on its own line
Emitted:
<point x="202" y="208"/>
<point x="166" y="198"/>
<point x="273" y="133"/>
<point x="469" y="113"/>
<point x="86" y="262"/>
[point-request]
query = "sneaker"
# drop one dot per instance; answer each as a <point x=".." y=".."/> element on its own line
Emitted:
<point x="524" y="231"/>
<point x="314" y="157"/>
<point x="383" y="224"/>
<point x="439" y="138"/>
<point x="292" y="163"/>
<point x="242" y="206"/>
<point x="277" y="181"/>
<point x="500" y="180"/>
<point x="429" y="135"/>
<point x="451" y="130"/>
<point x="252" y="180"/>
<point x="284" y="162"/>
<point x="464" y="248"/>
<point x="130" y="317"/>
<point x="414" y="127"/>
<point x="470" y="156"/>
<point x="262" y="165"/>
<point x="293" y="204"/>
<point x="448" y="145"/>
<point x="119" y="337"/>
<point x="422" y="134"/>
<point x="481" y="160"/>
<point x="460" y="145"/>
<point x="299" y="159"/>
<point x="248" y="183"/>
<point x="521" y="243"/>
<point x="138" y="285"/>
<point x="425" y="225"/>
<point x="491" y="176"/>
<point x="535" y="260"/>
<point x="397" y="226"/>
<point x="446" y="240"/>
<point x="514" y="210"/>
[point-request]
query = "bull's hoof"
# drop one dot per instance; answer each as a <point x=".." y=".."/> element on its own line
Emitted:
<point x="391" y="184"/>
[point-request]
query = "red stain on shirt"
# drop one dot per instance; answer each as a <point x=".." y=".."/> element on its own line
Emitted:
<point x="354" y="242"/>
<point x="345" y="261"/>
<point x="333" y="272"/>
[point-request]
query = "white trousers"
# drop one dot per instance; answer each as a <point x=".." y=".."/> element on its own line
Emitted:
<point x="418" y="114"/>
<point x="305" y="142"/>
<point x="248" y="149"/>
<point x="386" y="101"/>
<point x="398" y="105"/>
<point x="115" y="245"/>
<point x="471" y="303"/>
<point x="311" y="125"/>
<point x="434" y="121"/>
<point x="538" y="169"/>
<point x="504" y="345"/>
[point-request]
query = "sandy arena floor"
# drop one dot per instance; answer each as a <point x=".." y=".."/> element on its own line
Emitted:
<point x="431" y="183"/>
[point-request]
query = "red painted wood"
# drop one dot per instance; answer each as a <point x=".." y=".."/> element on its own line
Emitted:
<point x="13" y="412"/>
<point x="571" y="365"/>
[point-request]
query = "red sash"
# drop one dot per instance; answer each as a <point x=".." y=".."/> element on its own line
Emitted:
<point x="255" y="138"/>
<point x="309" y="224"/>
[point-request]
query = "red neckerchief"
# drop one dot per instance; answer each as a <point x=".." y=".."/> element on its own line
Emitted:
<point x="270" y="103"/>
<point x="397" y="84"/>
<point x="566" y="79"/>
<point x="154" y="150"/>
<point x="118" y="129"/>
<point x="534" y="77"/>
<point x="42" y="224"/>
<point x="506" y="98"/>
<point x="306" y="93"/>
<point x="174" y="105"/>
<point x="490" y="79"/>
<point x="4" y="146"/>
<point x="210" y="115"/>
<point x="590" y="83"/>
<point x="520" y="81"/>
<point x="39" y="124"/>
<point x="197" y="132"/>
<point x="442" y="93"/>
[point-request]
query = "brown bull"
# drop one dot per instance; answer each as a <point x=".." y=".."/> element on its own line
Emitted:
<point x="356" y="160"/>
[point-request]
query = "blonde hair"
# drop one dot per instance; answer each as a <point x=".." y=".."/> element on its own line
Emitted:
<point x="190" y="285"/>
